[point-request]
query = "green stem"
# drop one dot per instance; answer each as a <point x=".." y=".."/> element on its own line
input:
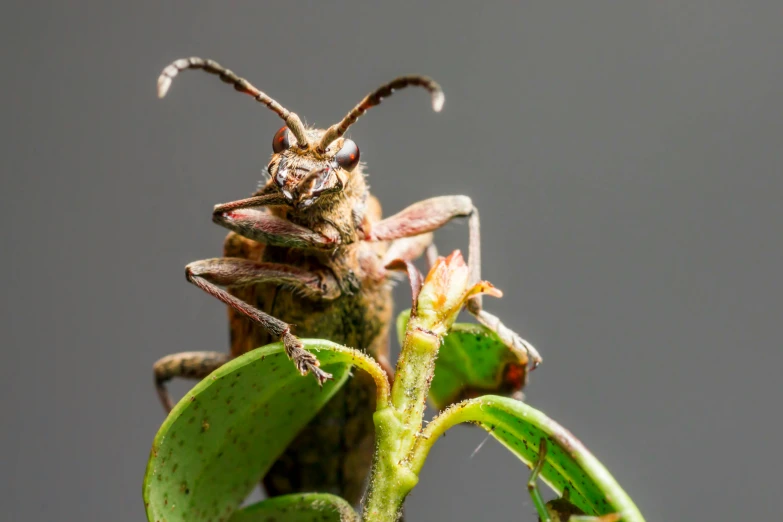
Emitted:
<point x="453" y="415"/>
<point x="398" y="427"/>
<point x="391" y="479"/>
<point x="372" y="367"/>
<point x="415" y="369"/>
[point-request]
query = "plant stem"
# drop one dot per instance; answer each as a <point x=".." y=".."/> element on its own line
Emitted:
<point x="448" y="418"/>
<point x="391" y="479"/>
<point x="397" y="427"/>
<point x="415" y="370"/>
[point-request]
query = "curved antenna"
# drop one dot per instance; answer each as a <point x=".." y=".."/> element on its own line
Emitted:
<point x="375" y="97"/>
<point x="240" y="84"/>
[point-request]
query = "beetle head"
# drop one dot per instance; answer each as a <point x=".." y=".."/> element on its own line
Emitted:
<point x="303" y="175"/>
<point x="307" y="164"/>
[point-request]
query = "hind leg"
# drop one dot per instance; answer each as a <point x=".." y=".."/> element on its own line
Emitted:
<point x="188" y="365"/>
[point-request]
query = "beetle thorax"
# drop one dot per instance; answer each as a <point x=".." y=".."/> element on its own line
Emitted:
<point x="339" y="213"/>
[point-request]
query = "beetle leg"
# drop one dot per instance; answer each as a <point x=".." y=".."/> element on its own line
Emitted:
<point x="256" y="224"/>
<point x="431" y="214"/>
<point x="559" y="509"/>
<point x="415" y="278"/>
<point x="424" y="216"/>
<point x="508" y="336"/>
<point x="407" y="248"/>
<point x="189" y="365"/>
<point x="233" y="272"/>
<point x="262" y="200"/>
<point x="532" y="484"/>
<point x="612" y="517"/>
<point x="432" y="255"/>
<point x="236" y="272"/>
<point x="562" y="510"/>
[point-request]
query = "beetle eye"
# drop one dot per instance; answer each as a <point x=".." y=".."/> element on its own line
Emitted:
<point x="280" y="142"/>
<point x="348" y="156"/>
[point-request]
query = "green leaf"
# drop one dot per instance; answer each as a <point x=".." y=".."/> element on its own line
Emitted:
<point x="473" y="361"/>
<point x="223" y="436"/>
<point x="307" y="507"/>
<point x="568" y="463"/>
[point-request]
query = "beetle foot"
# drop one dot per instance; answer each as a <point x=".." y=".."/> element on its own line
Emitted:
<point x="509" y="337"/>
<point x="304" y="361"/>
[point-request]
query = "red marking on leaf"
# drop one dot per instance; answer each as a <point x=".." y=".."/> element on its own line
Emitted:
<point x="514" y="376"/>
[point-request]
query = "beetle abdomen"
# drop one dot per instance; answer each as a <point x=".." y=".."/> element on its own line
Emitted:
<point x="334" y="452"/>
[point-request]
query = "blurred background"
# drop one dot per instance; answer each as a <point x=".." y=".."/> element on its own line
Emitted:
<point x="626" y="158"/>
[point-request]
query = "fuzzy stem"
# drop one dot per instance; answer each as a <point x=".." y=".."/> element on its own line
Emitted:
<point x="415" y="370"/>
<point x="369" y="365"/>
<point x="398" y="427"/>
<point x="391" y="479"/>
<point x="453" y="415"/>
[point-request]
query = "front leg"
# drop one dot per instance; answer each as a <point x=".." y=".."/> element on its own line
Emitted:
<point x="233" y="272"/>
<point x="247" y="218"/>
<point x="265" y="228"/>
<point x="431" y="214"/>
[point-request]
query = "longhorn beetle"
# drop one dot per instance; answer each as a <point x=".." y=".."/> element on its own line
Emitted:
<point x="310" y="249"/>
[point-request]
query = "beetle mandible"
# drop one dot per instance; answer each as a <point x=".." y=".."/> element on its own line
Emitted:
<point x="310" y="249"/>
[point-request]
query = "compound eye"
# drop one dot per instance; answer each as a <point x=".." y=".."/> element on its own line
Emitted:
<point x="348" y="156"/>
<point x="280" y="142"/>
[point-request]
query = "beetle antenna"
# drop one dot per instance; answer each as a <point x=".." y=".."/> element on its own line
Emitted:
<point x="375" y="97"/>
<point x="240" y="84"/>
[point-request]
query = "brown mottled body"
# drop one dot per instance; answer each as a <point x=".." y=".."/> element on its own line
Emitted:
<point x="334" y="452"/>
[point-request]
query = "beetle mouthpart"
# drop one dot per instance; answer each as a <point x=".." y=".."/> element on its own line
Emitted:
<point x="284" y="182"/>
<point x="307" y="203"/>
<point x="281" y="175"/>
<point x="319" y="181"/>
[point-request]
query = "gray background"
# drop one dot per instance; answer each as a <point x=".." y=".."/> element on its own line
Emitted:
<point x="626" y="158"/>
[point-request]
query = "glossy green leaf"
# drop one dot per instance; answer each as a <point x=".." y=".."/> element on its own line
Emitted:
<point x="472" y="362"/>
<point x="308" y="507"/>
<point x="223" y="436"/>
<point x="568" y="463"/>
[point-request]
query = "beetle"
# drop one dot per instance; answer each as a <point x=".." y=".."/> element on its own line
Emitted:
<point x="310" y="248"/>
